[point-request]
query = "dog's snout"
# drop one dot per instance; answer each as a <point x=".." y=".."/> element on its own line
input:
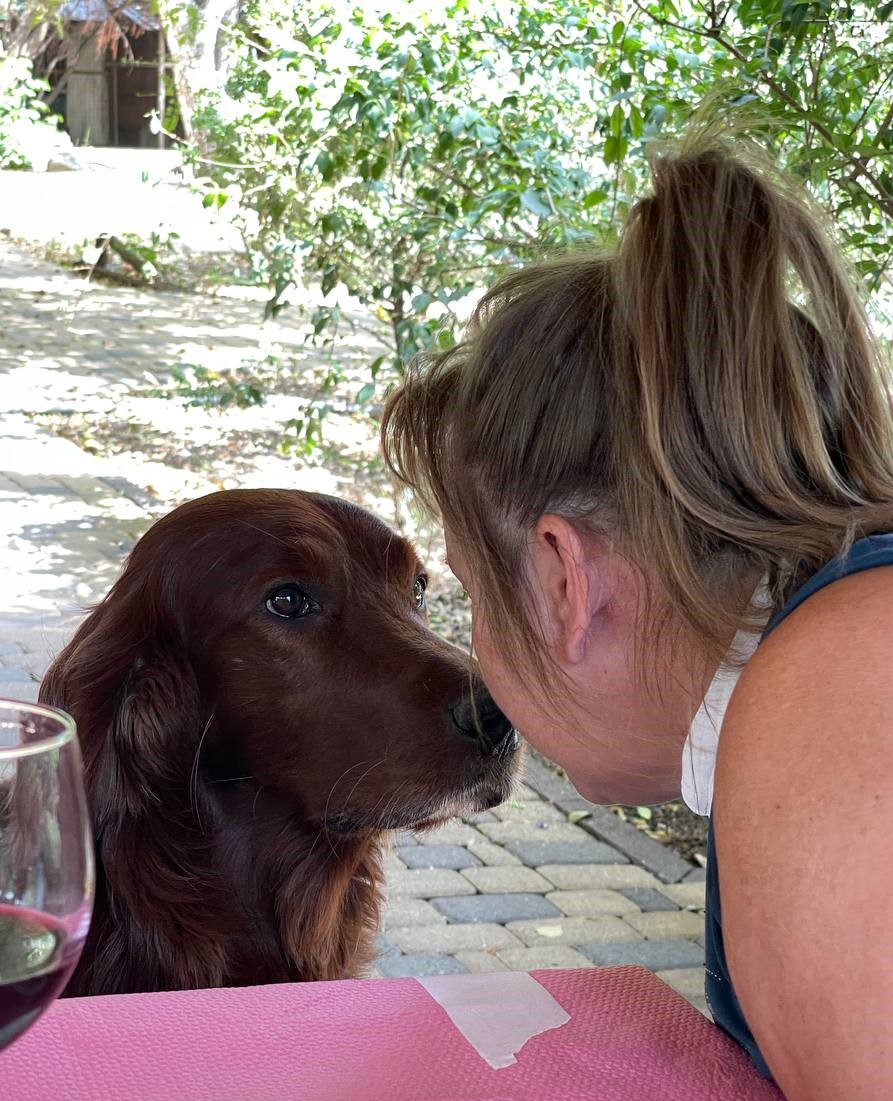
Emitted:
<point x="479" y="718"/>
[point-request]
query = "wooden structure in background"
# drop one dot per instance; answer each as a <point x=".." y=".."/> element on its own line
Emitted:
<point x="110" y="70"/>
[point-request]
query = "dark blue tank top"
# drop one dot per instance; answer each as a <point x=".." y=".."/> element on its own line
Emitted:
<point x="865" y="554"/>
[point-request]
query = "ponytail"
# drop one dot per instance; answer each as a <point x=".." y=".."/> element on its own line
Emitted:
<point x="710" y="393"/>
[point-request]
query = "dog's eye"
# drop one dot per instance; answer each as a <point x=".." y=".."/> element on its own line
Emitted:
<point x="421" y="585"/>
<point x="289" y="602"/>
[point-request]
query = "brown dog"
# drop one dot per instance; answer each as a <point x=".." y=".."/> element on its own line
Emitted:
<point x="258" y="700"/>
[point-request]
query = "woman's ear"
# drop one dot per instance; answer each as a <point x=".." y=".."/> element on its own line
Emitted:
<point x="569" y="571"/>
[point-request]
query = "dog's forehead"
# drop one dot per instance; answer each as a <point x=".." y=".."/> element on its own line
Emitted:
<point x="279" y="530"/>
<point x="367" y="538"/>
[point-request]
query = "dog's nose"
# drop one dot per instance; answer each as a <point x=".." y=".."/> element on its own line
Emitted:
<point x="480" y="719"/>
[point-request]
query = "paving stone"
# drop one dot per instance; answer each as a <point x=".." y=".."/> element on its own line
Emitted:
<point x="37" y="640"/>
<point x="491" y="854"/>
<point x="14" y="675"/>
<point x="399" y="912"/>
<point x="500" y="909"/>
<point x="696" y="875"/>
<point x="427" y="883"/>
<point x="13" y="650"/>
<point x="39" y="485"/>
<point x="591" y="903"/>
<point x="543" y="958"/>
<point x="504" y="832"/>
<point x="383" y="947"/>
<point x="481" y="963"/>
<point x="531" y="810"/>
<point x="507" y="879"/>
<point x="391" y="863"/>
<point x="451" y="833"/>
<point x="665" y="926"/>
<point x="689" y="982"/>
<point x="584" y="877"/>
<point x="453" y="938"/>
<point x="687" y="895"/>
<point x="536" y="853"/>
<point x="481" y="816"/>
<point x="25" y="691"/>
<point x="437" y="856"/>
<point x="656" y="955"/>
<point x="418" y="965"/>
<point x="143" y="500"/>
<point x="647" y="899"/>
<point x="545" y="781"/>
<point x="573" y="803"/>
<point x="576" y="930"/>
<point x="641" y="849"/>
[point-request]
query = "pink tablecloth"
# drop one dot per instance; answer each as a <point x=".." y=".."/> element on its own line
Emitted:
<point x="629" y="1038"/>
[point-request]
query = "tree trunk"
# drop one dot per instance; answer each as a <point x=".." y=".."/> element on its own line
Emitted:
<point x="198" y="50"/>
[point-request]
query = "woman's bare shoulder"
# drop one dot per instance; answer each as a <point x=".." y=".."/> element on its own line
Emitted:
<point x="805" y="772"/>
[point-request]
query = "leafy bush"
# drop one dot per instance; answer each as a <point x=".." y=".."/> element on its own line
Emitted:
<point x="24" y="118"/>
<point x="402" y="156"/>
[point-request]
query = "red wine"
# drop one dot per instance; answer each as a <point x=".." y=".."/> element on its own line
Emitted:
<point x="37" y="956"/>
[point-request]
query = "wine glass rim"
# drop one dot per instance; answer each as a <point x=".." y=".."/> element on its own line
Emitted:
<point x="62" y="737"/>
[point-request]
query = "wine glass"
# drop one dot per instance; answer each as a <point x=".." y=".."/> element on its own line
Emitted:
<point x="46" y="861"/>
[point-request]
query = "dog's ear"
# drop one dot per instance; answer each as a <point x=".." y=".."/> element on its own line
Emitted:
<point x="159" y="919"/>
<point x="151" y="740"/>
<point x="133" y="694"/>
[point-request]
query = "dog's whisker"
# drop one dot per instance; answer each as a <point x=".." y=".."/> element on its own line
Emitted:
<point x="360" y="779"/>
<point x="193" y="778"/>
<point x="254" y="803"/>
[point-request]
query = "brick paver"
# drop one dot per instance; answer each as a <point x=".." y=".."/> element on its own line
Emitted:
<point x="545" y="958"/>
<point x="646" y="898"/>
<point x="400" y="911"/>
<point x="665" y="926"/>
<point x="573" y="930"/>
<point x="656" y="955"/>
<point x="507" y="879"/>
<point x="602" y="891"/>
<point x="453" y="938"/>
<point x="500" y="909"/>
<point x="438" y="856"/>
<point x="417" y="965"/>
<point x="592" y="903"/>
<point x="584" y="851"/>
<point x="428" y="883"/>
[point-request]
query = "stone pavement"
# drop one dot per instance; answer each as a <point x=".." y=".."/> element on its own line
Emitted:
<point x="531" y="884"/>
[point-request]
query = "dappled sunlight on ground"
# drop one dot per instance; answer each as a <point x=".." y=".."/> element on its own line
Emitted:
<point x="95" y="366"/>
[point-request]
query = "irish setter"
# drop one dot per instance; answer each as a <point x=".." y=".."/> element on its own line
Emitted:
<point x="259" y="701"/>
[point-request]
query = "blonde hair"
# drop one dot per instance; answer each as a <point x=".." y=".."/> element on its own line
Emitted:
<point x="709" y="393"/>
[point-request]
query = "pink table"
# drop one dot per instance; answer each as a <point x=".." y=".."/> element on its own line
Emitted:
<point x="629" y="1037"/>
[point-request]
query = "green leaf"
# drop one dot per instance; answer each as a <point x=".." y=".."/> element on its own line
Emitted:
<point x="644" y="813"/>
<point x="593" y="198"/>
<point x="365" y="393"/>
<point x="576" y="816"/>
<point x="487" y="135"/>
<point x="532" y="200"/>
<point x="615" y="149"/>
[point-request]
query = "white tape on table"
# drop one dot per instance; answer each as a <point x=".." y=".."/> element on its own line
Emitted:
<point x="497" y="1013"/>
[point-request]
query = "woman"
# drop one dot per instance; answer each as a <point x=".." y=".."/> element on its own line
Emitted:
<point x="647" y="462"/>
